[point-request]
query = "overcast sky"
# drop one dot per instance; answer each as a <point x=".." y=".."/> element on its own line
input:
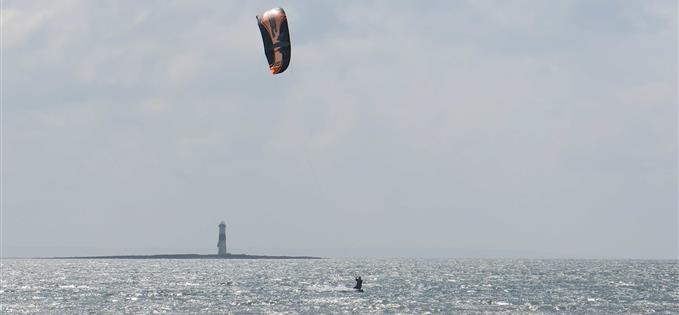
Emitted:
<point x="438" y="128"/>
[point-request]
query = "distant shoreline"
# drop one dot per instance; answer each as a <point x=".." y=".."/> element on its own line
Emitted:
<point x="185" y="256"/>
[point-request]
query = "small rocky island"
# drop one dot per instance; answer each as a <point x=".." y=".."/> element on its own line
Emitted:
<point x="190" y="256"/>
<point x="221" y="253"/>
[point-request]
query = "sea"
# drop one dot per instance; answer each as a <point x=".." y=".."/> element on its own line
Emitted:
<point x="324" y="286"/>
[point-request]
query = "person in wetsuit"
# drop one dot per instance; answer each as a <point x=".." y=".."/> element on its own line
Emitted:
<point x="359" y="283"/>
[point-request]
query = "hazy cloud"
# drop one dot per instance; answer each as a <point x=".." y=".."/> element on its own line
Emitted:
<point x="445" y="128"/>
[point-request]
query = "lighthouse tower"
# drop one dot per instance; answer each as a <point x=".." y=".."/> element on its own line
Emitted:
<point x="221" y="245"/>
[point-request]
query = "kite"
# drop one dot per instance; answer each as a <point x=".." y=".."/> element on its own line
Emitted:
<point x="273" y="25"/>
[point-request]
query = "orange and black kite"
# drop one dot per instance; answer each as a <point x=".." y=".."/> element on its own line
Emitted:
<point x="274" y="27"/>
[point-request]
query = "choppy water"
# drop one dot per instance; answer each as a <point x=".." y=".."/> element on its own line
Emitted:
<point x="323" y="286"/>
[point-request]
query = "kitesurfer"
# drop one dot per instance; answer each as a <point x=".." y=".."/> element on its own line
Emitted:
<point x="359" y="283"/>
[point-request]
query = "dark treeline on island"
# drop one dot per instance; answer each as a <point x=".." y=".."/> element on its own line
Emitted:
<point x="189" y="256"/>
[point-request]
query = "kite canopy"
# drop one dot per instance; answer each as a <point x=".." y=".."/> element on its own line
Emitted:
<point x="273" y="25"/>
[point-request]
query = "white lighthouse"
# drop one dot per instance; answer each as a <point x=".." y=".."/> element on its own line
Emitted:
<point x="221" y="245"/>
